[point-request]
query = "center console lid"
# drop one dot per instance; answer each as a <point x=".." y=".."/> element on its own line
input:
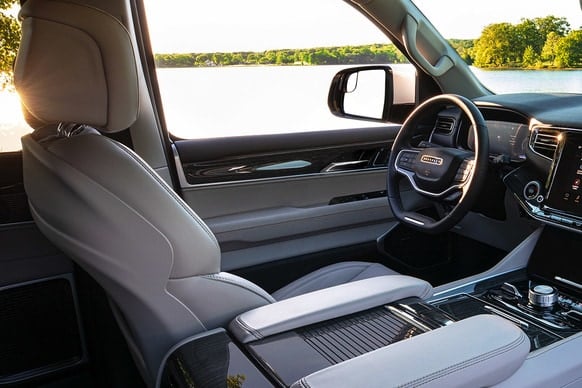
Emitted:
<point x="326" y="304"/>
<point x="479" y="351"/>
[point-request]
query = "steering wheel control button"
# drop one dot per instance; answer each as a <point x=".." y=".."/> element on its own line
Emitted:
<point x="532" y="190"/>
<point x="406" y="160"/>
<point x="464" y="171"/>
<point x="542" y="296"/>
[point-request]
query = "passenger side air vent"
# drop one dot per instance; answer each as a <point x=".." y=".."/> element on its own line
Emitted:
<point x="544" y="141"/>
<point x="444" y="125"/>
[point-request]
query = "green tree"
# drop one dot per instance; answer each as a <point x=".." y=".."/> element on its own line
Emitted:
<point x="494" y="46"/>
<point x="569" y="50"/>
<point x="9" y="42"/>
<point x="526" y="44"/>
<point x="527" y="34"/>
<point x="464" y="47"/>
<point x="550" y="49"/>
<point x="202" y="60"/>
<point x="551" y="23"/>
<point x="530" y="57"/>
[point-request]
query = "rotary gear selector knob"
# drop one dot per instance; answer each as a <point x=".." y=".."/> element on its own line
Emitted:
<point x="542" y="296"/>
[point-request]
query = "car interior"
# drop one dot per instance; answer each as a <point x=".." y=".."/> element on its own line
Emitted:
<point x="436" y="249"/>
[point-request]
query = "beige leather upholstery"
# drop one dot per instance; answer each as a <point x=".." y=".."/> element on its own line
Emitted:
<point x="100" y="202"/>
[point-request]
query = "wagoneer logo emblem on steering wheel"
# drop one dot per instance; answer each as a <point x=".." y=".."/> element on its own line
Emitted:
<point x="431" y="160"/>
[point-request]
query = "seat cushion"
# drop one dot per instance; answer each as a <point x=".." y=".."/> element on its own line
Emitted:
<point x="332" y="275"/>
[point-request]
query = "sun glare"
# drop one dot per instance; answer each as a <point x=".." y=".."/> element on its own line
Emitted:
<point x="12" y="126"/>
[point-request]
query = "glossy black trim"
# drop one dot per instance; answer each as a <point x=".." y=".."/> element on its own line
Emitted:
<point x="292" y="355"/>
<point x="211" y="360"/>
<point x="195" y="150"/>
<point x="270" y="156"/>
<point x="286" y="164"/>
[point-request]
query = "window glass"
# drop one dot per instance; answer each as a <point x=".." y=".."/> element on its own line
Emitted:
<point x="516" y="45"/>
<point x="260" y="66"/>
<point x="12" y="124"/>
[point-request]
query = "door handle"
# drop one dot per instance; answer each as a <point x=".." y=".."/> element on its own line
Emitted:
<point x="345" y="166"/>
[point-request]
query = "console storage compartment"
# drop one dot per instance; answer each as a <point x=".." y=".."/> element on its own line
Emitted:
<point x="325" y="304"/>
<point x="479" y="351"/>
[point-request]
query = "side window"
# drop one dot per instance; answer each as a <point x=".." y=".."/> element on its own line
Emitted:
<point x="12" y="124"/>
<point x="234" y="68"/>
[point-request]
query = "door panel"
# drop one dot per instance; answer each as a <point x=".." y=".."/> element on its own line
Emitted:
<point x="292" y="213"/>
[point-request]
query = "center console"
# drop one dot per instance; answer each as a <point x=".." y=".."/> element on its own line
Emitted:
<point x="552" y="191"/>
<point x="543" y="312"/>
<point x="389" y="331"/>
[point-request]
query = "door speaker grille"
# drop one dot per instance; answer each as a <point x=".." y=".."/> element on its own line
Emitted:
<point x="39" y="329"/>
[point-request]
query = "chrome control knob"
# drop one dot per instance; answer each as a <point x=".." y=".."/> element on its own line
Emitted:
<point x="542" y="296"/>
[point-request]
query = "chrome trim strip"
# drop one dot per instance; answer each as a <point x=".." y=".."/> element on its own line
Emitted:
<point x="513" y="319"/>
<point x="408" y="318"/>
<point x="462" y="288"/>
<point x="417" y="222"/>
<point x="532" y="317"/>
<point x="568" y="282"/>
<point x="179" y="168"/>
<point x="533" y="212"/>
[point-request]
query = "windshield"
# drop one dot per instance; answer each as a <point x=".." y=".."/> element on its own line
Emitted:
<point x="515" y="45"/>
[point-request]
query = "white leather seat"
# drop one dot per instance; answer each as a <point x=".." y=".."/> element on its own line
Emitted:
<point x="332" y="275"/>
<point x="105" y="207"/>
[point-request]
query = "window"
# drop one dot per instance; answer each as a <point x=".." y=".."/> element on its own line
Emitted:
<point x="12" y="124"/>
<point x="258" y="66"/>
<point x="515" y="46"/>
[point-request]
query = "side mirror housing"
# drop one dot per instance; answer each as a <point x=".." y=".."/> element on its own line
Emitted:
<point x="363" y="93"/>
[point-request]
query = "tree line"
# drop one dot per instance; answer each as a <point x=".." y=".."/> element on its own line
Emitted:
<point x="544" y="42"/>
<point x="536" y="43"/>
<point x="345" y="55"/>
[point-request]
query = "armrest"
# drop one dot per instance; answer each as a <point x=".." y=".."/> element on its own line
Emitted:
<point x="325" y="304"/>
<point x="476" y="352"/>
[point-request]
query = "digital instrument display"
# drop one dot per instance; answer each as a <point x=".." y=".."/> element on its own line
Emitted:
<point x="566" y="186"/>
<point x="505" y="138"/>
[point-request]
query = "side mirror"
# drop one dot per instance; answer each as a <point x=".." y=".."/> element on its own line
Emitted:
<point x="363" y="93"/>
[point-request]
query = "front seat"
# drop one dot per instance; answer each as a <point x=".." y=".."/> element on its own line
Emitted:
<point x="105" y="207"/>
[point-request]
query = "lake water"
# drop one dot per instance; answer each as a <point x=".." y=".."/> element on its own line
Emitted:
<point x="510" y="81"/>
<point x="215" y="102"/>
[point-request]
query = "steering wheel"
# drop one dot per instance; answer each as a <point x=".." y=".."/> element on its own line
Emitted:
<point x="446" y="175"/>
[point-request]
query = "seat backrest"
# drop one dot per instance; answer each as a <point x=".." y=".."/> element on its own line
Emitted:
<point x="101" y="203"/>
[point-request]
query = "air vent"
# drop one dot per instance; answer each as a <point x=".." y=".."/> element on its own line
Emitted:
<point x="544" y="141"/>
<point x="444" y="125"/>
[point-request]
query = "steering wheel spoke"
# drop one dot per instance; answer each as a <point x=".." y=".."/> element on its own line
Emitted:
<point x="406" y="160"/>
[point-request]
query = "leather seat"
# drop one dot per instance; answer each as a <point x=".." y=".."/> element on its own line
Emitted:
<point x="105" y="207"/>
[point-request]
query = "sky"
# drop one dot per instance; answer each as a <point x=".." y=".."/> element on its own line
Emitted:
<point x="257" y="25"/>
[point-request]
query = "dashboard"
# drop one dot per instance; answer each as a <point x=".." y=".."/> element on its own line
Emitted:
<point x="538" y="140"/>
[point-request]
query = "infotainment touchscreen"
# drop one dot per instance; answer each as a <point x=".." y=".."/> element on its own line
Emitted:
<point x="566" y="186"/>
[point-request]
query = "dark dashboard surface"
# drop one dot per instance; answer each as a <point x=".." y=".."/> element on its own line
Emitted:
<point x="548" y="181"/>
<point x="556" y="109"/>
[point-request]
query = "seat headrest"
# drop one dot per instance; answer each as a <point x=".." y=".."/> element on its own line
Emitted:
<point x="76" y="64"/>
